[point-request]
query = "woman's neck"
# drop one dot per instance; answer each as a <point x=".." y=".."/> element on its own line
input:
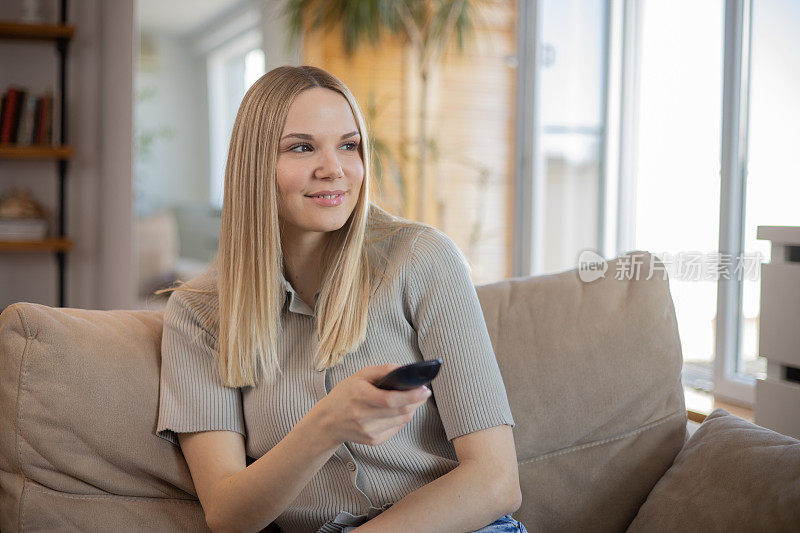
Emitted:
<point x="302" y="262"/>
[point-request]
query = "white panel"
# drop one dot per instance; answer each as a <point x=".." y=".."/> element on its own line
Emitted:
<point x="780" y="234"/>
<point x="779" y="329"/>
<point x="778" y="406"/>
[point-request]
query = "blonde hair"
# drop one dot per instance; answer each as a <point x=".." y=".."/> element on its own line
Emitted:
<point x="249" y="259"/>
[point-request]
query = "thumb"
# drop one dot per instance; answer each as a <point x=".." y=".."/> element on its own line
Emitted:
<point x="373" y="374"/>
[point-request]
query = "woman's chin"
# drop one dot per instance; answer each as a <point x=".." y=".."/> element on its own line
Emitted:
<point x="318" y="222"/>
<point x="325" y="226"/>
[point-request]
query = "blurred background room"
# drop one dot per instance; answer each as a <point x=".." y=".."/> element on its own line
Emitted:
<point x="529" y="131"/>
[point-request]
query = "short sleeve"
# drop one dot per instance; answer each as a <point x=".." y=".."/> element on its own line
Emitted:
<point x="448" y="318"/>
<point x="192" y="396"/>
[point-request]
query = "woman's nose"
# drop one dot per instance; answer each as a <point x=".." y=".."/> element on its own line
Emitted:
<point x="329" y="165"/>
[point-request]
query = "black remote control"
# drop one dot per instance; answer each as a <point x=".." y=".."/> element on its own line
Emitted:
<point x="410" y="376"/>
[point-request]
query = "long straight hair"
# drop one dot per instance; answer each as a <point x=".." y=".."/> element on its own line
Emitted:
<point x="249" y="259"/>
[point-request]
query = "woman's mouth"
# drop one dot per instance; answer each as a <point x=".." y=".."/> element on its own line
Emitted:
<point x="328" y="200"/>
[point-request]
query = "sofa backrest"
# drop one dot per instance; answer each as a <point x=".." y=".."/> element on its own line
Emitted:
<point x="79" y="399"/>
<point x="592" y="372"/>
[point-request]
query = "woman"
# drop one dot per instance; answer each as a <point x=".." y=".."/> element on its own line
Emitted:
<point x="314" y="295"/>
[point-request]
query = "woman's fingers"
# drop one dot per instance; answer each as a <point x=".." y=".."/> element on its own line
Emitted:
<point x="397" y="422"/>
<point x="374" y="373"/>
<point x="367" y="414"/>
<point x="397" y="418"/>
<point x="382" y="429"/>
<point x="395" y="399"/>
<point x="403" y="409"/>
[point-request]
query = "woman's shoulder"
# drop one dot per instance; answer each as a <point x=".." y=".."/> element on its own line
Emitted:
<point x="196" y="301"/>
<point x="401" y="241"/>
<point x="399" y="234"/>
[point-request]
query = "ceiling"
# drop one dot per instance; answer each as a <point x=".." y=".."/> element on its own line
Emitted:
<point x="181" y="17"/>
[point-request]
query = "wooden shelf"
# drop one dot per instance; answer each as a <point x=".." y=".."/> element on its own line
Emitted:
<point x="694" y="416"/>
<point x="46" y="245"/>
<point x="15" y="151"/>
<point x="35" y="32"/>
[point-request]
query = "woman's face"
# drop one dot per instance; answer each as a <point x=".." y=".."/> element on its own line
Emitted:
<point x="318" y="154"/>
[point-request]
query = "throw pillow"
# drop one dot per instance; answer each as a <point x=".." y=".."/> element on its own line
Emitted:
<point x="731" y="475"/>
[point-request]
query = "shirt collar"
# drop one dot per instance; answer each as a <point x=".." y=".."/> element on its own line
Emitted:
<point x="296" y="304"/>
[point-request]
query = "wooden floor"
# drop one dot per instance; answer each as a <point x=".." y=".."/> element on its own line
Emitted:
<point x="699" y="404"/>
<point x="743" y="412"/>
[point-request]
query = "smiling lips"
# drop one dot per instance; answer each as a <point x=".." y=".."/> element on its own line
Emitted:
<point x="328" y="193"/>
<point x="328" y="198"/>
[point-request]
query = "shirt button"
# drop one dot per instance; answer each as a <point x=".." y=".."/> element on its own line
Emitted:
<point x="351" y="466"/>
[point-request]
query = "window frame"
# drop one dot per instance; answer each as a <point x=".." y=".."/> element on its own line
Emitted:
<point x="218" y="96"/>
<point x="728" y="383"/>
<point x="618" y="180"/>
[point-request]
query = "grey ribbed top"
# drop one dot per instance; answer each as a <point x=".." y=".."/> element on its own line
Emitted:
<point x="426" y="307"/>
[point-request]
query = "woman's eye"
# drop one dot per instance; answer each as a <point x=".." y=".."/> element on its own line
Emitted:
<point x="299" y="148"/>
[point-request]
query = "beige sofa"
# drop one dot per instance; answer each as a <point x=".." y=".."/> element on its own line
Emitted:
<point x="593" y="372"/>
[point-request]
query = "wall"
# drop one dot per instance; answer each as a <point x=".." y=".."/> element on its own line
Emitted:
<point x="98" y="187"/>
<point x="176" y="170"/>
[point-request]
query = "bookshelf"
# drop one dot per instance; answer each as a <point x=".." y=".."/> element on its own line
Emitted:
<point x="44" y="245"/>
<point x="35" y="32"/>
<point x="11" y="151"/>
<point x="60" y="34"/>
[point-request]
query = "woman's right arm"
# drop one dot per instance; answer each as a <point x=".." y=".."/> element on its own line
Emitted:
<point x="236" y="498"/>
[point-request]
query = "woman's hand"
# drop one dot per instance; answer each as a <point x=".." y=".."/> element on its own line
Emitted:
<point x="356" y="410"/>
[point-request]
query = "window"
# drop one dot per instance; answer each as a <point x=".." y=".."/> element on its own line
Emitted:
<point x="232" y="69"/>
<point x="572" y="83"/>
<point x="677" y="172"/>
<point x="657" y="133"/>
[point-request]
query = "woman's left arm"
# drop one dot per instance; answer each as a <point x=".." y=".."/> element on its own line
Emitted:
<point x="481" y="489"/>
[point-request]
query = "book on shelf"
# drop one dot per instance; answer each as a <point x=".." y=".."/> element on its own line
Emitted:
<point x="33" y="229"/>
<point x="27" y="119"/>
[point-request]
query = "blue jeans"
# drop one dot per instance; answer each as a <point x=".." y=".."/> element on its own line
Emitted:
<point x="345" y="523"/>
<point x="505" y="524"/>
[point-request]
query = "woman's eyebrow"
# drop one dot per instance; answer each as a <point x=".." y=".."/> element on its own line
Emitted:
<point x="308" y="137"/>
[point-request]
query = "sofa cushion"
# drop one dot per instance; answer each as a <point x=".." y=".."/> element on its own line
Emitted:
<point x="732" y="475"/>
<point x="79" y="390"/>
<point x="593" y="374"/>
<point x="45" y="509"/>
